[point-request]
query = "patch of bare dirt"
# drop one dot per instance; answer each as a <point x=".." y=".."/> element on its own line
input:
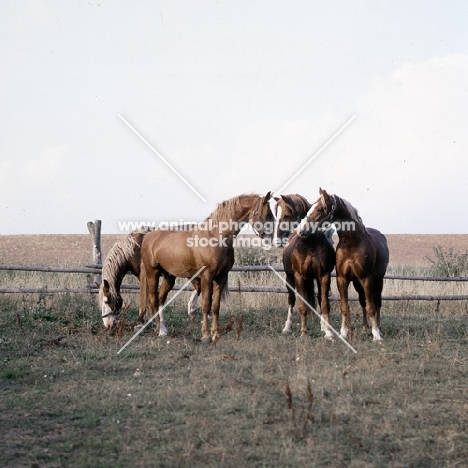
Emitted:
<point x="413" y="249"/>
<point x="52" y="249"/>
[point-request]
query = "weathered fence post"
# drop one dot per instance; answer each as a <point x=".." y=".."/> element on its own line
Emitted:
<point x="95" y="231"/>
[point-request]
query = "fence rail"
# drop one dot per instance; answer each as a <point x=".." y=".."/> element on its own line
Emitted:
<point x="134" y="288"/>
<point x="92" y="269"/>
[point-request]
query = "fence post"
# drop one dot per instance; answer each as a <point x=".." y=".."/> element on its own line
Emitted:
<point x="95" y="231"/>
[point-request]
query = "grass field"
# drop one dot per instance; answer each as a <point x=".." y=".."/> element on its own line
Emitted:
<point x="255" y="398"/>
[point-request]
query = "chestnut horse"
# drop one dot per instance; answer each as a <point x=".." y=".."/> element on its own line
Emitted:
<point x="125" y="257"/>
<point x="305" y="260"/>
<point x="172" y="254"/>
<point x="361" y="257"/>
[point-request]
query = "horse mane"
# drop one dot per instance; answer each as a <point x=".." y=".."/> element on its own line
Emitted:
<point x="118" y="257"/>
<point x="300" y="203"/>
<point x="353" y="212"/>
<point x="225" y="210"/>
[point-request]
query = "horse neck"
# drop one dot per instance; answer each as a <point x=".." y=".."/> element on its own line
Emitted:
<point x="135" y="266"/>
<point x="343" y="214"/>
<point x="303" y="209"/>
<point x="124" y="256"/>
<point x="115" y="278"/>
<point x="237" y="216"/>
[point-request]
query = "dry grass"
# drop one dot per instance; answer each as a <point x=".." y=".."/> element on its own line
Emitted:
<point x="69" y="400"/>
<point x="255" y="398"/>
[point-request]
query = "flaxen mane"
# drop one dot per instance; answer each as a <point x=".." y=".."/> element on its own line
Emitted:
<point x="226" y="209"/>
<point x="117" y="259"/>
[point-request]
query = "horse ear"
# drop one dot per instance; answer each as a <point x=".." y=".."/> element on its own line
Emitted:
<point x="267" y="197"/>
<point x="288" y="200"/>
<point x="105" y="285"/>
<point x="276" y="198"/>
<point x="97" y="284"/>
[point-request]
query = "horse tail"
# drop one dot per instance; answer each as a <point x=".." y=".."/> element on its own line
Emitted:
<point x="310" y="296"/>
<point x="143" y="288"/>
<point x="225" y="295"/>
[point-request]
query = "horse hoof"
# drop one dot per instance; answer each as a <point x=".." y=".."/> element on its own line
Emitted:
<point x="138" y="326"/>
<point x="207" y="340"/>
<point x="287" y="332"/>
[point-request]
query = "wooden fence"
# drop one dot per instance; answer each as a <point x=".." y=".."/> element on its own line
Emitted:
<point x="134" y="288"/>
<point x="95" y="269"/>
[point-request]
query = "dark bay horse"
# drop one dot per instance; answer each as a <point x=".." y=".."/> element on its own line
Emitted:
<point x="182" y="254"/>
<point x="306" y="260"/>
<point x="361" y="257"/>
<point x="125" y="257"/>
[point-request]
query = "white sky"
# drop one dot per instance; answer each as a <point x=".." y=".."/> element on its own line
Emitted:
<point x="237" y="96"/>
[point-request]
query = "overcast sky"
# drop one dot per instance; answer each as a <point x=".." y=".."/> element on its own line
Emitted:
<point x="236" y="96"/>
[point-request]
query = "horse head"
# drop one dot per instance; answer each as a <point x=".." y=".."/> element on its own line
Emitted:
<point x="290" y="209"/>
<point x="110" y="304"/>
<point x="322" y="210"/>
<point x="262" y="218"/>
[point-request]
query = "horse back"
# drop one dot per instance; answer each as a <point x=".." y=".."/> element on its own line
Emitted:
<point x="176" y="253"/>
<point x="363" y="254"/>
<point x="381" y="251"/>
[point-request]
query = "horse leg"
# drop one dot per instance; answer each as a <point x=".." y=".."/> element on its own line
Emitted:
<point x="166" y="286"/>
<point x="141" y="314"/>
<point x="192" y="304"/>
<point x="362" y="301"/>
<point x="291" y="303"/>
<point x="207" y="288"/>
<point x="324" y="300"/>
<point x="343" y="284"/>
<point x="218" y="287"/>
<point x="367" y="284"/>
<point x="305" y="295"/>
<point x="143" y="299"/>
<point x="152" y="280"/>
<point x="378" y="286"/>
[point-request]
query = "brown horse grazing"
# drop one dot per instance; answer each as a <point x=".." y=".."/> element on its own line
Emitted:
<point x="305" y="260"/>
<point x="361" y="257"/>
<point x="172" y="254"/>
<point x="125" y="257"/>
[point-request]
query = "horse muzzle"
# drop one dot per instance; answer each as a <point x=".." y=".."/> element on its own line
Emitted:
<point x="109" y="320"/>
<point x="109" y="316"/>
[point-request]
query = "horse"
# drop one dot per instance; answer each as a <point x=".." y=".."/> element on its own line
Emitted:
<point x="362" y="257"/>
<point x="209" y="245"/>
<point x="305" y="260"/>
<point x="125" y="257"/>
